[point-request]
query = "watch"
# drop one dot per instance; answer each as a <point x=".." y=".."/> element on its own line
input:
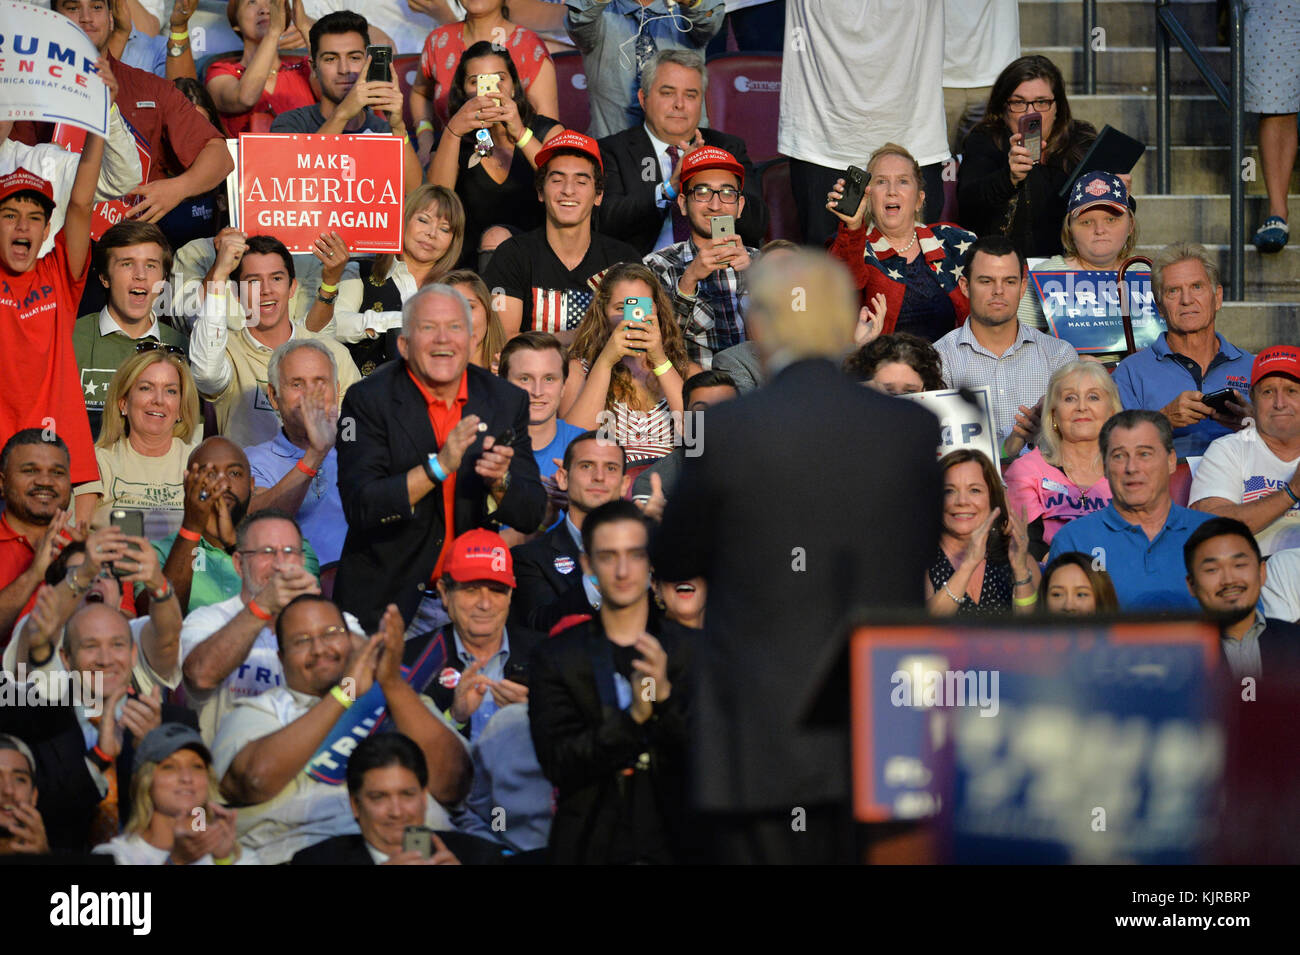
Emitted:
<point x="327" y="299"/>
<point x="505" y="482"/>
<point x="175" y="50"/>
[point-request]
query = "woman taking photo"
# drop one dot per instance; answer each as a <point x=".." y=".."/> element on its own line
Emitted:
<point x="489" y="336"/>
<point x="1063" y="478"/>
<point x="906" y="271"/>
<point x="631" y="369"/>
<point x="983" y="565"/>
<point x="1001" y="189"/>
<point x="898" y="364"/>
<point x="369" y="307"/>
<point x="151" y="424"/>
<point x="496" y="187"/>
<point x="1072" y="586"/>
<point x="261" y="81"/>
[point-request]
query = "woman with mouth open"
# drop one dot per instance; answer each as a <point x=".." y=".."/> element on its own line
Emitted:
<point x="983" y="566"/>
<point x="906" y="271"/>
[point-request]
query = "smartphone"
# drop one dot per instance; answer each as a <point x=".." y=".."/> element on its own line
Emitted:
<point x="855" y="187"/>
<point x="132" y="524"/>
<point x="381" y="64"/>
<point x="637" y="309"/>
<point x="1218" y="400"/>
<point x="724" y="228"/>
<point x="1031" y="131"/>
<point x="418" y="839"/>
<point x="517" y="672"/>
<point x="505" y="439"/>
<point x="487" y="84"/>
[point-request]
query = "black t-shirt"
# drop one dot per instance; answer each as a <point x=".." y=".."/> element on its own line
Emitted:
<point x="555" y="298"/>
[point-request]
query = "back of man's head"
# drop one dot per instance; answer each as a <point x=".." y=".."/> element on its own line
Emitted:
<point x="801" y="305"/>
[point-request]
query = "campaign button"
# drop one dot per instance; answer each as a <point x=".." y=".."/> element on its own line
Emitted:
<point x="448" y="678"/>
<point x="564" y="564"/>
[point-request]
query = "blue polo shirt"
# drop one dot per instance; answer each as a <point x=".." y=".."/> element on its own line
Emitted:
<point x="1156" y="376"/>
<point x="1147" y="574"/>
<point x="321" y="513"/>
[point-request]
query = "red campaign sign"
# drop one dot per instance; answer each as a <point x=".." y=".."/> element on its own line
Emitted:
<point x="110" y="213"/>
<point x="296" y="186"/>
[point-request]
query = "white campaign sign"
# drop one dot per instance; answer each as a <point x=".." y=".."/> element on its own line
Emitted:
<point x="962" y="424"/>
<point x="47" y="70"/>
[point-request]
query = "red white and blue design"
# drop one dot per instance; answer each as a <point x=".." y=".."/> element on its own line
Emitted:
<point x="1097" y="189"/>
<point x="559" y="310"/>
<point x="1257" y="486"/>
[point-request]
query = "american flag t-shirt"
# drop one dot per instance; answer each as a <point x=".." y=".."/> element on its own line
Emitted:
<point x="1257" y="486"/>
<point x="558" y="310"/>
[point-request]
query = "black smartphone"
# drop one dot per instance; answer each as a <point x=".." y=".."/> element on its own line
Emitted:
<point x="1218" y="400"/>
<point x="517" y="672"/>
<point x="381" y="64"/>
<point x="855" y="186"/>
<point x="132" y="524"/>
<point x="506" y="438"/>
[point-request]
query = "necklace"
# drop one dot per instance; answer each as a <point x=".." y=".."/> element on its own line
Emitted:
<point x="904" y="249"/>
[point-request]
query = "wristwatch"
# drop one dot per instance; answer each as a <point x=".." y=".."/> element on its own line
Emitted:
<point x="327" y="299"/>
<point x="505" y="482"/>
<point x="430" y="464"/>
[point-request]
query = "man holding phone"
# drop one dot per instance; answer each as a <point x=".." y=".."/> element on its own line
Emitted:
<point x="705" y="273"/>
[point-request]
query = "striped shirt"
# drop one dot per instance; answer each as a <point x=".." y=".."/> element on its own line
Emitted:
<point x="644" y="435"/>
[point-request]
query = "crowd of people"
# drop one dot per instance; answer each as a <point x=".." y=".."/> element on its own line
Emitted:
<point x="429" y="557"/>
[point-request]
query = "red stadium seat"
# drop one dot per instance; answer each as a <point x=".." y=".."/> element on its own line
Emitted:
<point x="407" y="69"/>
<point x="949" y="213"/>
<point x="575" y="112"/>
<point x="783" y="216"/>
<point x="327" y="575"/>
<point x="744" y="99"/>
<point x="1180" y="484"/>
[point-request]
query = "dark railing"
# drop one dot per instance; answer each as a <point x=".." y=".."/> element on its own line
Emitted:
<point x="1089" y="54"/>
<point x="1230" y="97"/>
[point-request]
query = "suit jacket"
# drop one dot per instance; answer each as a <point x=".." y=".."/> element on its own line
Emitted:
<point x="391" y="548"/>
<point x="628" y="211"/>
<point x="845" y="517"/>
<point x="546" y="570"/>
<point x="584" y="742"/>
<point x="351" y="850"/>
<point x="742" y="363"/>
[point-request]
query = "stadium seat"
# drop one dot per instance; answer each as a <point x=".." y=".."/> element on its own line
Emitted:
<point x="327" y="575"/>
<point x="744" y="99"/>
<point x="1180" y="484"/>
<point x="783" y="217"/>
<point x="949" y="213"/>
<point x="575" y="112"/>
<point x="407" y="68"/>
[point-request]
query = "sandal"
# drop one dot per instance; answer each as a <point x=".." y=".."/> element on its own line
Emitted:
<point x="1272" y="235"/>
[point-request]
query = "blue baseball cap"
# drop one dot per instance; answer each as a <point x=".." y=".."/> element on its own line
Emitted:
<point x="1097" y="189"/>
<point x="167" y="739"/>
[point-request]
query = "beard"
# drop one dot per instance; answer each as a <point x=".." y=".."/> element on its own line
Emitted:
<point x="1230" y="616"/>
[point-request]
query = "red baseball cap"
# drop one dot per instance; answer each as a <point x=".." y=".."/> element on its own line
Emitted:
<point x="20" y="180"/>
<point x="480" y="555"/>
<point x="573" y="141"/>
<point x="711" y="157"/>
<point x="1278" y="360"/>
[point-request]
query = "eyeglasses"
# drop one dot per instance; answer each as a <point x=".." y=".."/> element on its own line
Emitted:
<point x="272" y="552"/>
<point x="1020" y="105"/>
<point x="727" y="194"/>
<point x="303" y="641"/>
<point x="144" y="346"/>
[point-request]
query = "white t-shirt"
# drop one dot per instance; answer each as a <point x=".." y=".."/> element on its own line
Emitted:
<point x="133" y="850"/>
<point x="980" y="38"/>
<point x="1280" y="596"/>
<point x="857" y="74"/>
<point x="1240" y="468"/>
<point x="143" y="675"/>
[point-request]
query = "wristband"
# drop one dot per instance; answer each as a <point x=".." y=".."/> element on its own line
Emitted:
<point x="525" y="138"/>
<point x="327" y="288"/>
<point x="1027" y="580"/>
<point x="189" y="535"/>
<point x="669" y="192"/>
<point x="165" y="592"/>
<point x="433" y="467"/>
<point x="257" y="611"/>
<point x="1025" y="601"/>
<point x="344" y="700"/>
<point x="228" y="860"/>
<point x="954" y="597"/>
<point x="310" y="472"/>
<point x="1290" y="493"/>
<point x="422" y="125"/>
<point x="99" y="757"/>
<point x="178" y="37"/>
<point x="663" y="369"/>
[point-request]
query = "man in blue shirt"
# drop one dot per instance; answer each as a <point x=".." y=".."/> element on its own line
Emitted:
<point x="535" y="362"/>
<point x="1190" y="360"/>
<point x="1139" y="538"/>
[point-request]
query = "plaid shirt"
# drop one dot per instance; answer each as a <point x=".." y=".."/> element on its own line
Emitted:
<point x="712" y="320"/>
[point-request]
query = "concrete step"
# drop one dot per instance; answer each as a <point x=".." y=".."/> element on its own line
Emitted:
<point x="1126" y="22"/>
<point x="1195" y="120"/>
<point x="1198" y="170"/>
<point x="1133" y="68"/>
<point x="1255" y="326"/>
<point x="1203" y="218"/>
<point x="1269" y="278"/>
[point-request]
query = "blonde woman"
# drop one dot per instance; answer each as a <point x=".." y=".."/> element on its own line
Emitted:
<point x="489" y="337"/>
<point x="1063" y="478"/>
<point x="369" y="307"/>
<point x="175" y="816"/>
<point x="151" y="424"/>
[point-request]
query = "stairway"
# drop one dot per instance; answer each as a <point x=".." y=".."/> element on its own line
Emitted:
<point x="1197" y="208"/>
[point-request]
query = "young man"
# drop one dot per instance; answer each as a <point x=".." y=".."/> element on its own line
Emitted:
<point x="705" y="275"/>
<point x="608" y="708"/>
<point x="133" y="260"/>
<point x="21" y="828"/>
<point x="534" y="361"/>
<point x="230" y="367"/>
<point x="348" y="102"/>
<point x="548" y="276"/>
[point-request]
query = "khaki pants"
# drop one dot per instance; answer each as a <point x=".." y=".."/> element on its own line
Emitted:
<point x="956" y="101"/>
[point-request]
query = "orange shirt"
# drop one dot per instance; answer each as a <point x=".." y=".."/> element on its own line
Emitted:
<point x="443" y="417"/>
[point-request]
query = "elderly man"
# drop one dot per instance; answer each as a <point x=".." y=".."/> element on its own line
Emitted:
<point x="266" y="745"/>
<point x="643" y="164"/>
<point x="440" y="447"/>
<point x="1253" y="476"/>
<point x="1190" y="359"/>
<point x="781" y="579"/>
<point x="297" y="471"/>
<point x="1138" y="539"/>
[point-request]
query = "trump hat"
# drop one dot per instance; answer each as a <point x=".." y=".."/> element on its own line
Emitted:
<point x="711" y="157"/>
<point x="20" y="180"/>
<point x="1278" y="360"/>
<point x="1097" y="189"/>
<point x="480" y="555"/>
<point x="573" y="142"/>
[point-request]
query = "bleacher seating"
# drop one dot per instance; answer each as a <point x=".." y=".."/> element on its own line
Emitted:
<point x="744" y="99"/>
<point x="571" y="82"/>
<point x="783" y="216"/>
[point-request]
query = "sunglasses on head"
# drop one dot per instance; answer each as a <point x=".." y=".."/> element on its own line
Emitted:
<point x="144" y="346"/>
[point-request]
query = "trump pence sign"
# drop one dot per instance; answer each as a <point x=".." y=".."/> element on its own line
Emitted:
<point x="296" y="186"/>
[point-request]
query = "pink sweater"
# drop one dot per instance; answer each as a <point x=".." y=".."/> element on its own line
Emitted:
<point x="1043" y="490"/>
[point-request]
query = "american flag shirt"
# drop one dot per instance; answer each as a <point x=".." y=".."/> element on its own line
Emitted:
<point x="1241" y="468"/>
<point x="713" y="319"/>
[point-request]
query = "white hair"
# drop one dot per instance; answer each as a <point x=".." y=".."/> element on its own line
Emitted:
<point x="437" y="288"/>
<point x="282" y="353"/>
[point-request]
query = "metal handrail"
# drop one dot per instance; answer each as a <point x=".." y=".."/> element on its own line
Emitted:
<point x="1231" y="98"/>
<point x="1089" y="54"/>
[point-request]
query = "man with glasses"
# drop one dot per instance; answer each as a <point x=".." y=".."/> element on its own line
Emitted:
<point x="228" y="649"/>
<point x="704" y="274"/>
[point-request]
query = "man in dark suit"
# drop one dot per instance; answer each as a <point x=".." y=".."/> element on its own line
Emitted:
<point x="550" y="579"/>
<point x="845" y="516"/>
<point x="413" y="472"/>
<point x="643" y="163"/>
<point x="608" y="711"/>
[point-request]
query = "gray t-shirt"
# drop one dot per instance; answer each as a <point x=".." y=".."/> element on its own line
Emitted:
<point x="309" y="119"/>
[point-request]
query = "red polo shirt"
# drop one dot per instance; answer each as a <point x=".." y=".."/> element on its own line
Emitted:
<point x="172" y="126"/>
<point x="16" y="555"/>
<point x="443" y="417"/>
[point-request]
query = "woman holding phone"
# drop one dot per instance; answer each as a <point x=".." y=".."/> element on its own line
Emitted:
<point x="1010" y="179"/>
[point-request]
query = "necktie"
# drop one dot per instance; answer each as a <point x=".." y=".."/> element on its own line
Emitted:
<point x="681" y="226"/>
